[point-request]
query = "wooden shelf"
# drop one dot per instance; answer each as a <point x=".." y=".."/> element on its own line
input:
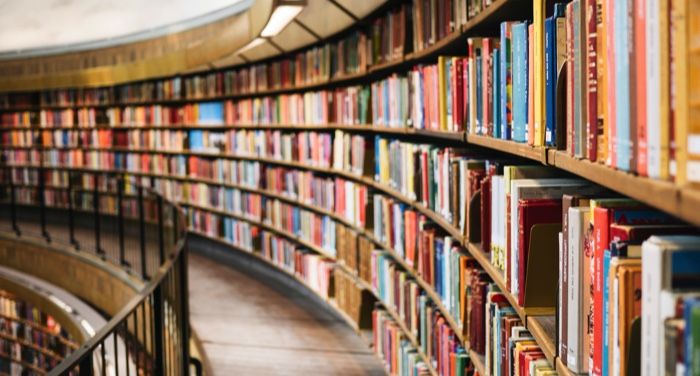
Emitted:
<point x="478" y="361"/>
<point x="663" y="195"/>
<point x="544" y="329"/>
<point x="538" y="154"/>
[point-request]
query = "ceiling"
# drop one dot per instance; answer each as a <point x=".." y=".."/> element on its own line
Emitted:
<point x="48" y="25"/>
<point x="74" y="43"/>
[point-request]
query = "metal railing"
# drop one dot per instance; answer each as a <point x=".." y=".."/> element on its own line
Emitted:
<point x="124" y="222"/>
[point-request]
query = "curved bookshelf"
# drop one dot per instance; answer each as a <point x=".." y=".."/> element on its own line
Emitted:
<point x="664" y="195"/>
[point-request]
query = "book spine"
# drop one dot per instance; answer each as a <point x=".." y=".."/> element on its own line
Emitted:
<point x="550" y="76"/>
<point x="622" y="86"/>
<point x="570" y="79"/>
<point x="539" y="90"/>
<point x="692" y="137"/>
<point x="519" y="81"/>
<point x="601" y="227"/>
<point x="611" y="86"/>
<point x="681" y="84"/>
<point x="592" y="80"/>
<point x="602" y="83"/>
<point x="529" y="94"/>
<point x="496" y="101"/>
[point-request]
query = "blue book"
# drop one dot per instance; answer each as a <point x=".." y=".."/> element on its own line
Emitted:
<point x="622" y="88"/>
<point x="520" y="81"/>
<point x="211" y="113"/>
<point x="438" y="266"/>
<point x="607" y="257"/>
<point x="377" y="161"/>
<point x="551" y="74"/>
<point x="496" y="93"/>
<point x="504" y="71"/>
<point x="196" y="140"/>
<point x="691" y="315"/>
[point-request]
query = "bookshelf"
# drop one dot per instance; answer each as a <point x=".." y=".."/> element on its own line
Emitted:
<point x="541" y="321"/>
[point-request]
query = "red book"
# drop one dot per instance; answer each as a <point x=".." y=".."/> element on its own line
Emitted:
<point x="487" y="86"/>
<point x="532" y="212"/>
<point x="610" y="78"/>
<point x="603" y="219"/>
<point x="592" y="80"/>
<point x="457" y="92"/>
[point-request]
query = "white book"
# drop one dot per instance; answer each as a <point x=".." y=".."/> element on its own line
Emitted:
<point x="659" y="254"/>
<point x="577" y="353"/>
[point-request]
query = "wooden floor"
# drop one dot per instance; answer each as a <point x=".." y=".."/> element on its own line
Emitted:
<point x="252" y="327"/>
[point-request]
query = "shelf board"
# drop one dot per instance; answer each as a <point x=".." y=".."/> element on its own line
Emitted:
<point x="478" y="361"/>
<point x="538" y="154"/>
<point x="543" y="328"/>
<point x="663" y="195"/>
<point x="564" y="370"/>
<point x="434" y="48"/>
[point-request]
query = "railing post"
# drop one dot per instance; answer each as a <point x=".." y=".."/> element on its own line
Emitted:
<point x="158" y="322"/>
<point x="86" y="366"/>
<point x="120" y="220"/>
<point x="42" y="205"/>
<point x="176" y="235"/>
<point x="161" y="236"/>
<point x="13" y="204"/>
<point x="184" y="310"/>
<point x="142" y="233"/>
<point x="71" y="218"/>
<point x="96" y="213"/>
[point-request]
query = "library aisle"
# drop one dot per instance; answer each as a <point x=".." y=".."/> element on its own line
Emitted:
<point x="250" y="325"/>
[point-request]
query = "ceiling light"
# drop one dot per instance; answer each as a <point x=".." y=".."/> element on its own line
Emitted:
<point x="281" y="17"/>
<point x="252" y="44"/>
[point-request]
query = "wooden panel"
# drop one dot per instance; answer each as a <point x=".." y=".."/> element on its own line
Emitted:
<point x="88" y="277"/>
<point x="333" y="19"/>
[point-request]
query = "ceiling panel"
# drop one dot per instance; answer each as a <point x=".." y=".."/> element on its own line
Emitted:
<point x="360" y="8"/>
<point x="293" y="37"/>
<point x="324" y="18"/>
<point x="228" y="61"/>
<point x="260" y="52"/>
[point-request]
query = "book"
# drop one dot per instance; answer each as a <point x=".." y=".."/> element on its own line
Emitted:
<point x="671" y="260"/>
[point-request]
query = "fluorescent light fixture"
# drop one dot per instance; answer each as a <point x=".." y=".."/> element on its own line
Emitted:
<point x="281" y="17"/>
<point x="252" y="44"/>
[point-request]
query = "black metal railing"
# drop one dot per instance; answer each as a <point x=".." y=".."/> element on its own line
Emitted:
<point x="124" y="222"/>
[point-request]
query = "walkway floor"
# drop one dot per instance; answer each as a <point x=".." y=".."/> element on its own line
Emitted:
<point x="252" y="327"/>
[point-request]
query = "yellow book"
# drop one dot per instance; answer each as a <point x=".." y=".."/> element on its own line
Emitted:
<point x="539" y="84"/>
<point x="442" y="91"/>
<point x="688" y="128"/>
<point x="680" y="79"/>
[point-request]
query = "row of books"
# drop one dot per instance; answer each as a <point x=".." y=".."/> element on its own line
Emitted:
<point x="391" y="34"/>
<point x="30" y="336"/>
<point x="390" y="343"/>
<point x="626" y="92"/>
<point x="397" y="290"/>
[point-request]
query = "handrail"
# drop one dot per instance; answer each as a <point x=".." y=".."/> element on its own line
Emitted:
<point x="152" y="329"/>
<point x="78" y="356"/>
